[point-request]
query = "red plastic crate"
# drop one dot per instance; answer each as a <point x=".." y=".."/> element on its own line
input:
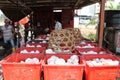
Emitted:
<point x="100" y="72"/>
<point x="62" y="72"/>
<point x="41" y="50"/>
<point x="14" y="70"/>
<point x="118" y="75"/>
<point x="97" y="50"/>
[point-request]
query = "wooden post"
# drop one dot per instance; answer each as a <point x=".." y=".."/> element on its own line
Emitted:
<point x="101" y="29"/>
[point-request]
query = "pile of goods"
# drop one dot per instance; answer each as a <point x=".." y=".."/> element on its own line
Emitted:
<point x="93" y="52"/>
<point x="102" y="62"/>
<point x="28" y="45"/>
<point x="85" y="46"/>
<point x="54" y="60"/>
<point x="51" y="51"/>
<point x="30" y="60"/>
<point x="32" y="52"/>
<point x="43" y="37"/>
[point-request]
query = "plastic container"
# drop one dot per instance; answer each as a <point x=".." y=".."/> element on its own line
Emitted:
<point x="62" y="72"/>
<point x="118" y="71"/>
<point x="14" y="70"/>
<point x="90" y="50"/>
<point x="29" y="50"/>
<point x="118" y="74"/>
<point x="100" y="72"/>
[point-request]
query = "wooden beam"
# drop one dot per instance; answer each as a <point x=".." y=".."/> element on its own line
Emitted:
<point x="101" y="27"/>
<point x="18" y="3"/>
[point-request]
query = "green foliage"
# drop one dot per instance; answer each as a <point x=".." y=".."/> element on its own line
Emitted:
<point x="91" y="36"/>
<point x="118" y="7"/>
<point x="93" y="21"/>
<point x="112" y="6"/>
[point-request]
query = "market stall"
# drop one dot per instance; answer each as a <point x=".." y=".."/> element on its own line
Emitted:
<point x="78" y="61"/>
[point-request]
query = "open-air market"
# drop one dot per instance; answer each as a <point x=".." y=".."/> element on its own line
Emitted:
<point x="59" y="40"/>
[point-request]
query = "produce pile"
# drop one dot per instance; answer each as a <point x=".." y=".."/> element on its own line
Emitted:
<point x="43" y="37"/>
<point x="102" y="62"/>
<point x="85" y="46"/>
<point x="54" y="60"/>
<point x="32" y="52"/>
<point x="30" y="60"/>
<point x="28" y="45"/>
<point x="93" y="52"/>
<point x="51" y="51"/>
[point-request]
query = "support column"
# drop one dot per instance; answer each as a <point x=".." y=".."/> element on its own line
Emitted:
<point x="101" y="29"/>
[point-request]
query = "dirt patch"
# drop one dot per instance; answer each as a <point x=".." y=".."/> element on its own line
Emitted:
<point x="87" y="30"/>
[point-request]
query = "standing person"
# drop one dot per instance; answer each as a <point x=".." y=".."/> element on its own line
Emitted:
<point x="8" y="34"/>
<point x="27" y="30"/>
<point x="19" y="35"/>
<point x="46" y="30"/>
<point x="58" y="25"/>
<point x="22" y="34"/>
